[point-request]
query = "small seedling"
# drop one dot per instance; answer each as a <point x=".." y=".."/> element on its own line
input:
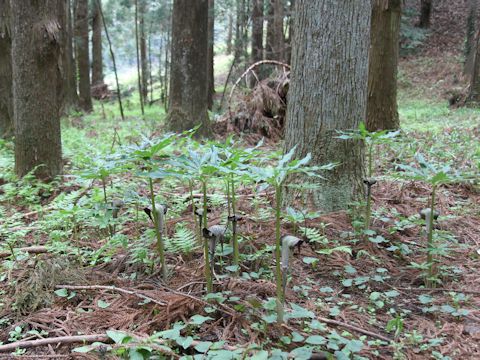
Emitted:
<point x="288" y="243"/>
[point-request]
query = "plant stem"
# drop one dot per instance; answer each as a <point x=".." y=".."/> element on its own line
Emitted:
<point x="228" y="198"/>
<point x="278" y="245"/>
<point x="430" y="244"/>
<point x="105" y="200"/>
<point x="198" y="231"/>
<point x="208" y="273"/>
<point x="158" y="233"/>
<point x="368" y="210"/>
<point x="370" y="160"/>
<point x="236" y="253"/>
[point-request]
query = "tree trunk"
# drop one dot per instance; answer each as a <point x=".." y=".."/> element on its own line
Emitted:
<point x="143" y="51"/>
<point x="210" y="60"/>
<point x="471" y="31"/>
<point x="71" y="95"/>
<point x="425" y="14"/>
<point x="83" y="55"/>
<point x="37" y="84"/>
<point x="188" y="76"/>
<point x="97" y="56"/>
<point x="6" y="100"/>
<point x="279" y="36"/>
<point x="229" y="34"/>
<point x="473" y="98"/>
<point x="269" y="45"/>
<point x="288" y="41"/>
<point x="382" y="110"/>
<point x="257" y="31"/>
<point x="328" y="92"/>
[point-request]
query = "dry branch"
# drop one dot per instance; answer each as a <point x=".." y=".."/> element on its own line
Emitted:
<point x="62" y="340"/>
<point x="354" y="328"/>
<point x="30" y="250"/>
<point x="114" y="289"/>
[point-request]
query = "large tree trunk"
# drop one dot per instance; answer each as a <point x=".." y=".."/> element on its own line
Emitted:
<point x="328" y="92"/>
<point x="83" y="55"/>
<point x="188" y="76"/>
<point x="275" y="47"/>
<point x="473" y="98"/>
<point x="382" y="110"/>
<point x="37" y="83"/>
<point x="257" y="31"/>
<point x="425" y="14"/>
<point x="97" y="55"/>
<point x="143" y="51"/>
<point x="6" y="100"/>
<point x="71" y="95"/>
<point x="210" y="60"/>
<point x="471" y="31"/>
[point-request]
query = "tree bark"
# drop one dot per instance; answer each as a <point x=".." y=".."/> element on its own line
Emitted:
<point x="6" y="99"/>
<point x="257" y="31"/>
<point x="229" y="34"/>
<point x="210" y="60"/>
<point x="275" y="47"/>
<point x="97" y="50"/>
<point x="83" y="55"/>
<point x="71" y="95"/>
<point x="425" y="14"/>
<point x="473" y="98"/>
<point x="328" y="92"/>
<point x="382" y="109"/>
<point x="188" y="76"/>
<point x="143" y="51"/>
<point x="471" y="31"/>
<point x="37" y="83"/>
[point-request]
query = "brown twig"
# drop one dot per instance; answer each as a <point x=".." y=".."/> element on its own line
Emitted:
<point x="112" y="288"/>
<point x="62" y="340"/>
<point x="30" y="250"/>
<point x="354" y="328"/>
<point x="473" y="292"/>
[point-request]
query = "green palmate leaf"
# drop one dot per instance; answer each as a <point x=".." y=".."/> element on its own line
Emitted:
<point x="316" y="340"/>
<point x="203" y="346"/>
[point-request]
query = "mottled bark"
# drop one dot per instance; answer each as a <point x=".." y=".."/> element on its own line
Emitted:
<point x="210" y="60"/>
<point x="82" y="53"/>
<point x="425" y="14"/>
<point x="473" y="98"/>
<point x="38" y="35"/>
<point x="6" y="99"/>
<point x="257" y="30"/>
<point x="71" y="95"/>
<point x="143" y="51"/>
<point x="471" y="31"/>
<point x="97" y="48"/>
<point x="188" y="76"/>
<point x="275" y="47"/>
<point x="328" y="92"/>
<point x="382" y="109"/>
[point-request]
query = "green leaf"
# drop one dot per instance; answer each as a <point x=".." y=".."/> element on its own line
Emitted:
<point x="260" y="355"/>
<point x="61" y="292"/>
<point x="316" y="340"/>
<point x="117" y="336"/>
<point x="425" y="299"/>
<point x="392" y="293"/>
<point x="299" y="312"/>
<point x="103" y="304"/>
<point x="202" y="347"/>
<point x="374" y="296"/>
<point x="310" y="260"/>
<point x="199" y="319"/>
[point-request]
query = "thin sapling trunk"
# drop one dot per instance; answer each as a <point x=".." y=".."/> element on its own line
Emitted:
<point x="278" y="246"/>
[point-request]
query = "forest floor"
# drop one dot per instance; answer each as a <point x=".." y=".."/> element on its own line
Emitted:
<point x="353" y="294"/>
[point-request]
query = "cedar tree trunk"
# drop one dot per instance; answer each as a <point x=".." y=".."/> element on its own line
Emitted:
<point x="188" y="75"/>
<point x="83" y="55"/>
<point x="37" y="36"/>
<point x="382" y="110"/>
<point x="328" y="92"/>
<point x="97" y="54"/>
<point x="6" y="100"/>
